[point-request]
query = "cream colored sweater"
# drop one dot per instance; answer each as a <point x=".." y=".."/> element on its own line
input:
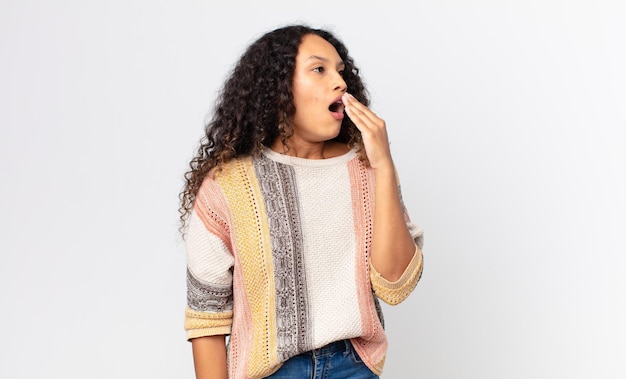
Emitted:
<point x="278" y="257"/>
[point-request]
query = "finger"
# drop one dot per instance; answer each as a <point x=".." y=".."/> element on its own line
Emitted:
<point x="359" y="112"/>
<point x="359" y="109"/>
<point x="360" y="119"/>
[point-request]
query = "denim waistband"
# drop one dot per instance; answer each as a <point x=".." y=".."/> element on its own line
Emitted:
<point x="331" y="348"/>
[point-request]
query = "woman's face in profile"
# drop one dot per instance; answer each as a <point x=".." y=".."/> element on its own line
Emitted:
<point x="317" y="88"/>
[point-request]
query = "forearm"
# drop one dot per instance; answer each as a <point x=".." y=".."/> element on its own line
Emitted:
<point x="209" y="357"/>
<point x="392" y="244"/>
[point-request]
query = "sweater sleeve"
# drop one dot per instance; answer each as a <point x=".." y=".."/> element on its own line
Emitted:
<point x="394" y="293"/>
<point x="209" y="271"/>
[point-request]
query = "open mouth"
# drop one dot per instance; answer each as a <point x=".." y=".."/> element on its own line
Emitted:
<point x="336" y="106"/>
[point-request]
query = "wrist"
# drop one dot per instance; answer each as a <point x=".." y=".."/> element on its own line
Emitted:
<point x="384" y="168"/>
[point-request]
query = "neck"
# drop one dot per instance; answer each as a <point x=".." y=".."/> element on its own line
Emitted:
<point x="302" y="150"/>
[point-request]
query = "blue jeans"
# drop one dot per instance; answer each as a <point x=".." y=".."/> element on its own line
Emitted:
<point x="337" y="360"/>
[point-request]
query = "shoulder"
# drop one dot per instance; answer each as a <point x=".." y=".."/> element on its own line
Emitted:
<point x="223" y="175"/>
<point x="228" y="169"/>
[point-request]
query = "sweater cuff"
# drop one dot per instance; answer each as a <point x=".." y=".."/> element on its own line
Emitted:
<point x="202" y="324"/>
<point x="394" y="293"/>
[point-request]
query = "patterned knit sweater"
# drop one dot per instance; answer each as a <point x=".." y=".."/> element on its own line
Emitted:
<point x="278" y="258"/>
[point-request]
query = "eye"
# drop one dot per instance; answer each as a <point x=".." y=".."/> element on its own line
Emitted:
<point x="341" y="72"/>
<point x="319" y="69"/>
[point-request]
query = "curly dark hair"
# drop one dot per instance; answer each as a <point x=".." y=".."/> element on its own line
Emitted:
<point x="255" y="107"/>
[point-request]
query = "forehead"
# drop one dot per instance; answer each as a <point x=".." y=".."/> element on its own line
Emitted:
<point x="314" y="46"/>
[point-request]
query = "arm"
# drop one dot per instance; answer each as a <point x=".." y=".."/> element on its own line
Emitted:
<point x="208" y="315"/>
<point x="209" y="357"/>
<point x="392" y="244"/>
<point x="393" y="247"/>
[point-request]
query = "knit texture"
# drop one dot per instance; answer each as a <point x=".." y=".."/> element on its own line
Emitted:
<point x="278" y="257"/>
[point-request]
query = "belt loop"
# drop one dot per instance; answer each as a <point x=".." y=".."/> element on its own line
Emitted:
<point x="348" y="347"/>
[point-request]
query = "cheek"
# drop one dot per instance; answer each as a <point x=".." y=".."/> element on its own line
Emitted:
<point x="306" y="107"/>
<point x="305" y="92"/>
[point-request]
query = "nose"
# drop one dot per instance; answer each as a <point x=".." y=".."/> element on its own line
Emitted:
<point x="339" y="83"/>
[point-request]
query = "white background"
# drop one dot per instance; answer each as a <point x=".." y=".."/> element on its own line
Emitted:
<point x="508" y="127"/>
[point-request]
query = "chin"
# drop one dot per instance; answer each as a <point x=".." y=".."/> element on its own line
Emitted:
<point x="333" y="135"/>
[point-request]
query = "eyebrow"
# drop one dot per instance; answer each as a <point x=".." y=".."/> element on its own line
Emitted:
<point x="323" y="59"/>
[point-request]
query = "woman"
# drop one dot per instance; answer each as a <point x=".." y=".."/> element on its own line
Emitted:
<point x="293" y="218"/>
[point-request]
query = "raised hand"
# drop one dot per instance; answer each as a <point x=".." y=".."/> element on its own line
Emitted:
<point x="373" y="131"/>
